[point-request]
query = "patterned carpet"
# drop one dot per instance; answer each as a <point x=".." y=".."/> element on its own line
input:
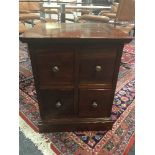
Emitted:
<point x="114" y="142"/>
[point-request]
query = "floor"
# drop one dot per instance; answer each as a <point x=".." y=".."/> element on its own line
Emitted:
<point x="132" y="151"/>
<point x="26" y="147"/>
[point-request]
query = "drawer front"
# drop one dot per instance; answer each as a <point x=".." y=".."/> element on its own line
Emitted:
<point x="55" y="103"/>
<point x="97" y="66"/>
<point x="95" y="103"/>
<point x="55" y="67"/>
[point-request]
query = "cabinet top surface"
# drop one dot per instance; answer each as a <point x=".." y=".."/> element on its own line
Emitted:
<point x="75" y="30"/>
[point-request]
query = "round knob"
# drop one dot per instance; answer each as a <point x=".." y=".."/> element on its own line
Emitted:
<point x="98" y="68"/>
<point x="55" y="69"/>
<point x="58" y="105"/>
<point x="94" y="104"/>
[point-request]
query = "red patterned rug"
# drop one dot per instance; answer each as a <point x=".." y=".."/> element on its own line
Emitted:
<point x="117" y="141"/>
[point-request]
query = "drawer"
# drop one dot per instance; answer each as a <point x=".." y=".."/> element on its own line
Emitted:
<point x="97" y="66"/>
<point x="95" y="103"/>
<point x="55" y="103"/>
<point x="55" y="67"/>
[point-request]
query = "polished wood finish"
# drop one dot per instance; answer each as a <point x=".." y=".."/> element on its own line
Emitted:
<point x="97" y="65"/>
<point x="57" y="67"/>
<point x="95" y="103"/>
<point x="73" y="32"/>
<point x="56" y="103"/>
<point x="75" y="124"/>
<point x="75" y="67"/>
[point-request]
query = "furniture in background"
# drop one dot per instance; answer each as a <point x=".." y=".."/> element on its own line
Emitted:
<point x="125" y="16"/>
<point x="29" y="12"/>
<point x="122" y="16"/>
<point x="112" y="12"/>
<point x="32" y="13"/>
<point x="104" y="16"/>
<point x="22" y="28"/>
<point x="64" y="7"/>
<point x="50" y="12"/>
<point x="75" y="68"/>
<point x="96" y="3"/>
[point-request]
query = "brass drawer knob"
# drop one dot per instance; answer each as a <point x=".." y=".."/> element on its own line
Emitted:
<point x="58" y="104"/>
<point x="55" y="69"/>
<point x="98" y="68"/>
<point x="94" y="104"/>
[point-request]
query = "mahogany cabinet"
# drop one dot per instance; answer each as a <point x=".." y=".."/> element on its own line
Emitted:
<point x="75" y="68"/>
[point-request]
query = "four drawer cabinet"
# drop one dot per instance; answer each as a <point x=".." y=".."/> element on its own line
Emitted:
<point x="75" y="68"/>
